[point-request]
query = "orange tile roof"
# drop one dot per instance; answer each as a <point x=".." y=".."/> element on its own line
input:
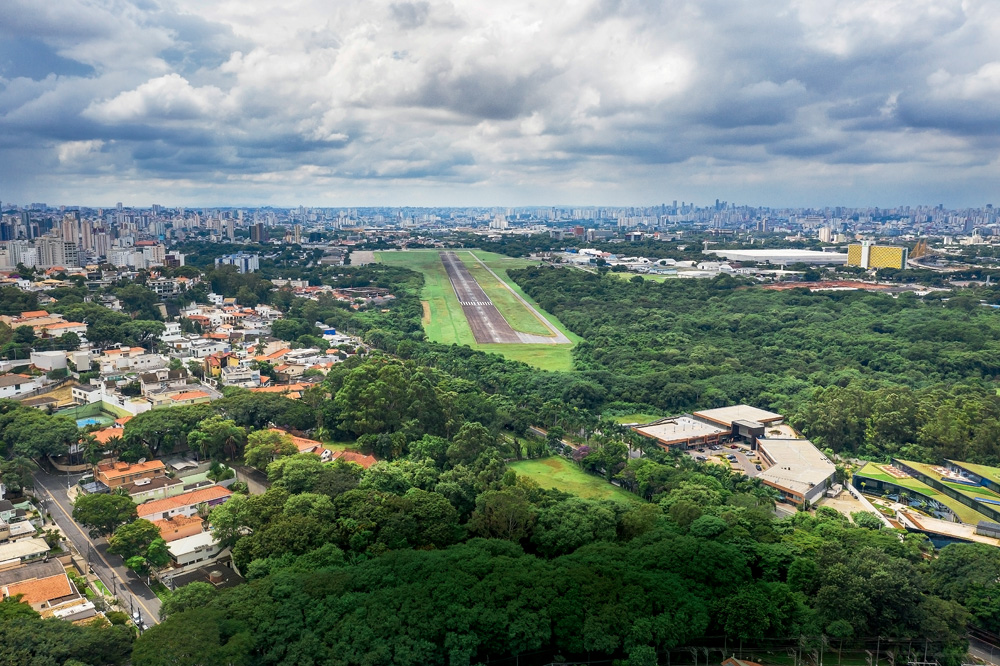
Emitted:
<point x="168" y="525"/>
<point x="65" y="324"/>
<point x="34" y="314"/>
<point x="123" y="420"/>
<point x="190" y="395"/>
<point x="365" y="461"/>
<point x="301" y="443"/>
<point x="185" y="499"/>
<point x="273" y="355"/>
<point x="104" y="435"/>
<point x="41" y="590"/>
<point x="119" y="469"/>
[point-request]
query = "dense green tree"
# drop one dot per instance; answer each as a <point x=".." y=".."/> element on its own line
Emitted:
<point x="192" y="595"/>
<point x="133" y="539"/>
<point x="28" y="640"/>
<point x="264" y="446"/>
<point x="218" y="438"/>
<point x="103" y="514"/>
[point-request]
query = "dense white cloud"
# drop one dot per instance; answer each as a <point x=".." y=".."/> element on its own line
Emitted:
<point x="595" y="101"/>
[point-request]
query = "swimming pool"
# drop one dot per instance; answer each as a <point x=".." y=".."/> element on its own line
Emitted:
<point x="93" y="420"/>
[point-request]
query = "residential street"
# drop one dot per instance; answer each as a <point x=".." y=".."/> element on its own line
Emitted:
<point x="122" y="582"/>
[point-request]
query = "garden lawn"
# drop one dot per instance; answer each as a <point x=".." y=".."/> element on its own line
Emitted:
<point x="561" y="474"/>
<point x="634" y="418"/>
<point x="985" y="471"/>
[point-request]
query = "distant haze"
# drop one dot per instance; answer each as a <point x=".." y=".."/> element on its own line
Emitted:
<point x="604" y="102"/>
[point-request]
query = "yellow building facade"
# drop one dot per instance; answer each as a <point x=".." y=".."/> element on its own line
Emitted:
<point x="869" y="255"/>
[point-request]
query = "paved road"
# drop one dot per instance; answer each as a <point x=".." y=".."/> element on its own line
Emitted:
<point x="122" y="582"/>
<point x="982" y="650"/>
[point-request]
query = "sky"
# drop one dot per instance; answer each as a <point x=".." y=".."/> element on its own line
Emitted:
<point x="500" y="102"/>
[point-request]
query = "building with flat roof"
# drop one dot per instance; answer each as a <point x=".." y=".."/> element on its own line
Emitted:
<point x="683" y="431"/>
<point x="726" y="416"/>
<point x="24" y="550"/>
<point x="194" y="549"/>
<point x="710" y="426"/>
<point x="783" y="257"/>
<point x="868" y="254"/>
<point x="797" y="469"/>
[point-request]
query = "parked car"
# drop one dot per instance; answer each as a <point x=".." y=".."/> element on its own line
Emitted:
<point x="759" y="468"/>
<point x="733" y="446"/>
<point x="700" y="458"/>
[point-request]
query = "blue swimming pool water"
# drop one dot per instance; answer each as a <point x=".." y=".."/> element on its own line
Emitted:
<point x="90" y="420"/>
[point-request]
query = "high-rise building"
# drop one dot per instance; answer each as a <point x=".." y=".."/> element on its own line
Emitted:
<point x="245" y="263"/>
<point x="258" y="233"/>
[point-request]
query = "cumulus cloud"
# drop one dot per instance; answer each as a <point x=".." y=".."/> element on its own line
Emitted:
<point x="164" y="98"/>
<point x="515" y="102"/>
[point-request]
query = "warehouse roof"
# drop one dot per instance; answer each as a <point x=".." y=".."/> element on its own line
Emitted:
<point x="798" y="465"/>
<point x="680" y="429"/>
<point x="725" y="416"/>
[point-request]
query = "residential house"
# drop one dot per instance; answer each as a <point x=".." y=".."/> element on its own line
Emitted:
<point x="12" y="386"/>
<point x="135" y="359"/>
<point x="46" y="588"/>
<point x="7" y="511"/>
<point x="44" y="593"/>
<point x="214" y="363"/>
<point x="177" y="398"/>
<point x="185" y="504"/>
<point x="161" y="487"/>
<point x="120" y="473"/>
<point x="162" y="379"/>
<point x="179" y="527"/>
<point x="244" y="376"/>
<point x="25" y="550"/>
<point x="194" y="549"/>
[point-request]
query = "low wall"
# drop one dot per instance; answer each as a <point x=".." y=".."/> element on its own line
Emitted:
<point x="71" y="469"/>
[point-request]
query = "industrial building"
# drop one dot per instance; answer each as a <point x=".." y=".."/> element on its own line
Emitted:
<point x="867" y="254"/>
<point x="797" y="469"/>
<point x="783" y="256"/>
<point x="710" y="426"/>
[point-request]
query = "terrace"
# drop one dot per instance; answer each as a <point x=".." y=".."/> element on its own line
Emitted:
<point x="876" y="472"/>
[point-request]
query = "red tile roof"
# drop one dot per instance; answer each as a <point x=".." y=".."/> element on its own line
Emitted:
<point x="190" y="395"/>
<point x="41" y="590"/>
<point x="185" y="499"/>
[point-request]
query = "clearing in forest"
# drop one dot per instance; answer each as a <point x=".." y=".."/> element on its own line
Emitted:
<point x="561" y="474"/>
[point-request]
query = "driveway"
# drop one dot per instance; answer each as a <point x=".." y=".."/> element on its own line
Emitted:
<point x="742" y="464"/>
<point x="122" y="582"/>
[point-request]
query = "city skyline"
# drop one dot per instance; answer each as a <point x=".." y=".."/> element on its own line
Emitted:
<point x="428" y="104"/>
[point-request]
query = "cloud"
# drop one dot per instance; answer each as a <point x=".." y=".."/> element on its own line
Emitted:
<point x="165" y="98"/>
<point x="514" y="102"/>
<point x="73" y="151"/>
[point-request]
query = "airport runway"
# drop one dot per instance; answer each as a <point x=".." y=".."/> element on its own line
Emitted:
<point x="487" y="323"/>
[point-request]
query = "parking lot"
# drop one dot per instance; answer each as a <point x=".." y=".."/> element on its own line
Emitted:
<point x="744" y="458"/>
